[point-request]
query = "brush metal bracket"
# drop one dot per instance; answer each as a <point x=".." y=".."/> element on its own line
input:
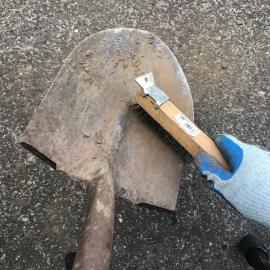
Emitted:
<point x="149" y="88"/>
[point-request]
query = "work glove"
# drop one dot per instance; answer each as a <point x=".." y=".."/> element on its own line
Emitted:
<point x="247" y="186"/>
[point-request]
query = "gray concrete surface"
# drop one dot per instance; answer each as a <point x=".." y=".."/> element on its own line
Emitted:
<point x="223" y="47"/>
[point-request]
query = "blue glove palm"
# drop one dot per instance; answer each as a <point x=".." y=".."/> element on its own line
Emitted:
<point x="247" y="187"/>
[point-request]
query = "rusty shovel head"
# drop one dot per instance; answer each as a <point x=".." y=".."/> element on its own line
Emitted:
<point x="86" y="123"/>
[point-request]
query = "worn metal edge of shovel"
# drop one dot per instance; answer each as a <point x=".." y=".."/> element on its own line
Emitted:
<point x="86" y="128"/>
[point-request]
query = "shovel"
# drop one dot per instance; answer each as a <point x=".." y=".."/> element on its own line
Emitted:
<point x="86" y="127"/>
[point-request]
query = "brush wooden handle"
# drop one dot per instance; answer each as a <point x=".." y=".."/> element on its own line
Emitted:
<point x="183" y="130"/>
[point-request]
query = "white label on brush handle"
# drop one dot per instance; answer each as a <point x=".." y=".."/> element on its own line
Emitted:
<point x="186" y="125"/>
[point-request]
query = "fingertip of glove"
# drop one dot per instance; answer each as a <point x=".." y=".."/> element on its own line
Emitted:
<point x="231" y="148"/>
<point x="208" y="165"/>
<point x="224" y="139"/>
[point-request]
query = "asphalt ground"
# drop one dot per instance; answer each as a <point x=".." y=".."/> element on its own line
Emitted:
<point x="223" y="48"/>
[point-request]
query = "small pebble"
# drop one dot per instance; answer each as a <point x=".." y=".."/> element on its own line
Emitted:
<point x="85" y="135"/>
<point x="261" y="93"/>
<point x="31" y="159"/>
<point x="224" y="66"/>
<point x="25" y="219"/>
<point x="29" y="183"/>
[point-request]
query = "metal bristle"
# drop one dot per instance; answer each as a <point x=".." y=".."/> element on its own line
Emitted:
<point x="164" y="134"/>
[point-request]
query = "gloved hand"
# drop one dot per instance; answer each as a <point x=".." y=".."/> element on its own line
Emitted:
<point x="247" y="187"/>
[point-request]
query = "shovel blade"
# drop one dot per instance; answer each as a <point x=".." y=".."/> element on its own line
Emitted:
<point x="85" y="125"/>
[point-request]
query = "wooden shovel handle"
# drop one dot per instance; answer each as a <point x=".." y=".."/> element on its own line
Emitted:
<point x="182" y="129"/>
<point x="96" y="244"/>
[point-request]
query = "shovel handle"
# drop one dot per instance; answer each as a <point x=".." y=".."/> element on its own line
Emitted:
<point x="96" y="244"/>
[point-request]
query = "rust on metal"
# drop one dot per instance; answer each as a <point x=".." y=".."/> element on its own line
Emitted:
<point x="86" y="127"/>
